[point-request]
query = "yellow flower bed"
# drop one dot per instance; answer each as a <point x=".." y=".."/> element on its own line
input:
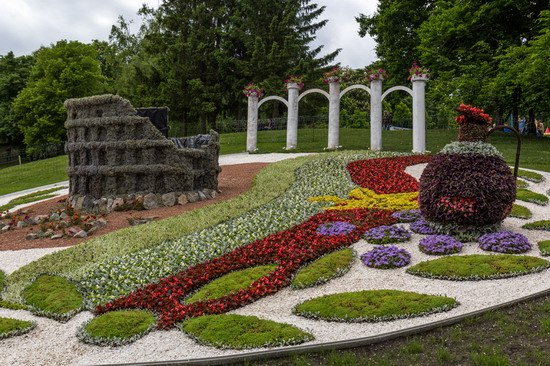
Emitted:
<point x="366" y="198"/>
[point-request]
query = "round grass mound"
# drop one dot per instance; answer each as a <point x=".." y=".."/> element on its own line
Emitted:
<point x="53" y="297"/>
<point x="117" y="328"/>
<point x="231" y="282"/>
<point x="373" y="306"/>
<point x="13" y="327"/>
<point x="520" y="212"/>
<point x="242" y="332"/>
<point x="538" y="225"/>
<point x="544" y="247"/>
<point x="324" y="269"/>
<point x="478" y="267"/>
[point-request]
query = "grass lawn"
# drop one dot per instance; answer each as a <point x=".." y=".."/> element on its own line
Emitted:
<point x="535" y="153"/>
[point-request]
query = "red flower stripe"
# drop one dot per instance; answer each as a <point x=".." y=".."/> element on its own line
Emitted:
<point x="289" y="249"/>
<point x="386" y="175"/>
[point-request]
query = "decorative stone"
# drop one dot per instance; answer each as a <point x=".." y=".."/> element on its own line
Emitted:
<point x="109" y="204"/>
<point x="101" y="222"/>
<point x="192" y="197"/>
<point x="73" y="230"/>
<point x="92" y="230"/>
<point x="150" y="201"/>
<point x="56" y="236"/>
<point x="5" y="228"/>
<point x="206" y="192"/>
<point x="80" y="234"/>
<point x="117" y="202"/>
<point x="79" y="203"/>
<point x="213" y="193"/>
<point x="182" y="199"/>
<point x="49" y="232"/>
<point x="202" y="196"/>
<point x="21" y="224"/>
<point x="169" y="199"/>
<point x="31" y="236"/>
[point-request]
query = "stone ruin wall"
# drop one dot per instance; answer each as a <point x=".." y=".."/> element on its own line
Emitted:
<point x="117" y="158"/>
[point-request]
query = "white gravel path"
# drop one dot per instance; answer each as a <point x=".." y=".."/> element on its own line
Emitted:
<point x="53" y="343"/>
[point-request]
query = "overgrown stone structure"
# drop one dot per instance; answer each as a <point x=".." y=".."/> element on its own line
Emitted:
<point x="117" y="158"/>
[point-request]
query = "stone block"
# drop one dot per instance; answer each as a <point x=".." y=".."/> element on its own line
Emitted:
<point x="150" y="201"/>
<point x="169" y="199"/>
<point x="182" y="199"/>
<point x="192" y="197"/>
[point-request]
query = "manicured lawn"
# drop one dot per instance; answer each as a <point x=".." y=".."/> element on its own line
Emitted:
<point x="535" y="153"/>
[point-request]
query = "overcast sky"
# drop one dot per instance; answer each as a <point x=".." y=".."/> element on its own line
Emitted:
<point x="25" y="25"/>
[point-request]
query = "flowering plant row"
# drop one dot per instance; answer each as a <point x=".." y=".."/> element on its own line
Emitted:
<point x="289" y="249"/>
<point x="386" y="175"/>
<point x="386" y="257"/>
<point x="295" y="79"/>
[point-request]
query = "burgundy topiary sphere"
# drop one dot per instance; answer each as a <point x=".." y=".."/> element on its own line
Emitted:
<point x="467" y="189"/>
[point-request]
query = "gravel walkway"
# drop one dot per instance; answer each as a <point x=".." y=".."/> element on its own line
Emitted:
<point x="53" y="343"/>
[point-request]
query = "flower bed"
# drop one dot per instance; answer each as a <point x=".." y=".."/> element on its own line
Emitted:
<point x="335" y="228"/>
<point x="505" y="242"/>
<point x="407" y="215"/>
<point x="440" y="245"/>
<point x="387" y="234"/>
<point x="386" y="257"/>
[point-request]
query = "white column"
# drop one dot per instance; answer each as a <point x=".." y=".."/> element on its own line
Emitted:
<point x="334" y="115"/>
<point x="419" y="114"/>
<point x="376" y="115"/>
<point x="292" y="117"/>
<point x="252" y="123"/>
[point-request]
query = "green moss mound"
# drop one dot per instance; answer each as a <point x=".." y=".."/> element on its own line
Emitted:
<point x="53" y="297"/>
<point x="520" y="212"/>
<point x="544" y="247"/>
<point x="373" y="306"/>
<point x="478" y="267"/>
<point x="526" y="195"/>
<point x="538" y="225"/>
<point x="521" y="183"/>
<point x="117" y="327"/>
<point x="324" y="269"/>
<point x="242" y="332"/>
<point x="229" y="283"/>
<point x="13" y="327"/>
<point x="530" y="176"/>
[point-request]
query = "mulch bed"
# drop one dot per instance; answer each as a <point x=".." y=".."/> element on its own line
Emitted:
<point x="233" y="181"/>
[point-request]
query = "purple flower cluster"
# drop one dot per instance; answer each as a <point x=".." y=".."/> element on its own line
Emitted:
<point x="383" y="256"/>
<point x="335" y="228"/>
<point x="407" y="215"/>
<point x="505" y="242"/>
<point x="440" y="245"/>
<point x="387" y="234"/>
<point x="420" y="226"/>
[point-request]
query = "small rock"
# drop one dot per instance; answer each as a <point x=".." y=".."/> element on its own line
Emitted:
<point x="206" y="192"/>
<point x="73" y="230"/>
<point x="31" y="236"/>
<point x="49" y="232"/>
<point x="150" y="201"/>
<point x="81" y="234"/>
<point x="21" y="224"/>
<point x="93" y="230"/>
<point x="182" y="199"/>
<point x="169" y="199"/>
<point x="213" y="193"/>
<point x="39" y="218"/>
<point x="118" y="202"/>
<point x="101" y="222"/>
<point x="202" y="196"/>
<point x="192" y="197"/>
<point x="62" y="224"/>
<point x="5" y="228"/>
<point x="56" y="236"/>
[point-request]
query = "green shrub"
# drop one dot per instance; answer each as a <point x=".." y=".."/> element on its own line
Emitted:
<point x="526" y="195"/>
<point x="520" y="212"/>
<point x="242" y="332"/>
<point x="117" y="328"/>
<point x="373" y="306"/>
<point x="324" y="269"/>
<point x="478" y="267"/>
<point x="53" y="297"/>
<point x="544" y="247"/>
<point x="2" y="280"/>
<point x="538" y="225"/>
<point x="229" y="283"/>
<point x="13" y="327"/>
